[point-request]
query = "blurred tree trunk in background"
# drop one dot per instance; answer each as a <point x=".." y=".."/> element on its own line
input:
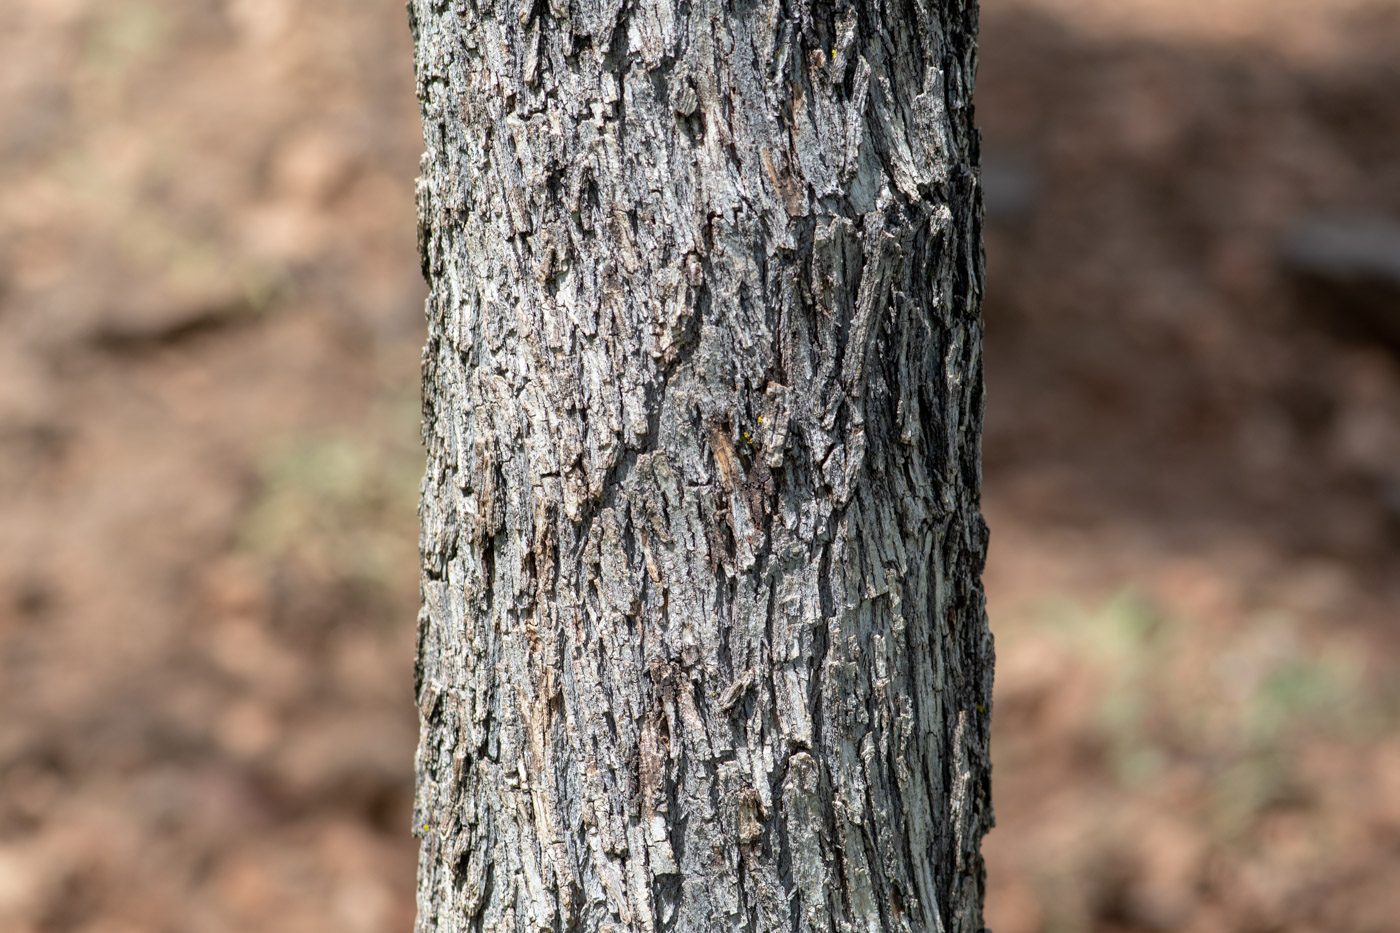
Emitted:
<point x="703" y="644"/>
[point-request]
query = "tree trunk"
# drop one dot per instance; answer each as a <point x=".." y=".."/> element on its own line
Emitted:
<point x="703" y="643"/>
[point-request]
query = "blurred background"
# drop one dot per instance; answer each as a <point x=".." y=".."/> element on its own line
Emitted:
<point x="210" y="321"/>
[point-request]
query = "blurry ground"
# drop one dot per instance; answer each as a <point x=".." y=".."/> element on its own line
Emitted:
<point x="209" y="333"/>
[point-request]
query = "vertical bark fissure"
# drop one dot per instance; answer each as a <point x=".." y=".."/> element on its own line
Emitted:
<point x="702" y="643"/>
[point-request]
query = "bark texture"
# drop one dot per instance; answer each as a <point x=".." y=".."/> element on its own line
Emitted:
<point x="703" y="643"/>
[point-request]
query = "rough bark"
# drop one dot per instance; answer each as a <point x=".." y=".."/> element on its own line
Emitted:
<point x="703" y="643"/>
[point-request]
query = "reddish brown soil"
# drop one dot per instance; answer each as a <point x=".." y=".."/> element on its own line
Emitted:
<point x="210" y="316"/>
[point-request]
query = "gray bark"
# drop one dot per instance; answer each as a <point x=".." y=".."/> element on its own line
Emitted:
<point x="703" y="644"/>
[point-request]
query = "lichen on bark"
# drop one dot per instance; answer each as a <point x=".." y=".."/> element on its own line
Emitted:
<point x="703" y="643"/>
